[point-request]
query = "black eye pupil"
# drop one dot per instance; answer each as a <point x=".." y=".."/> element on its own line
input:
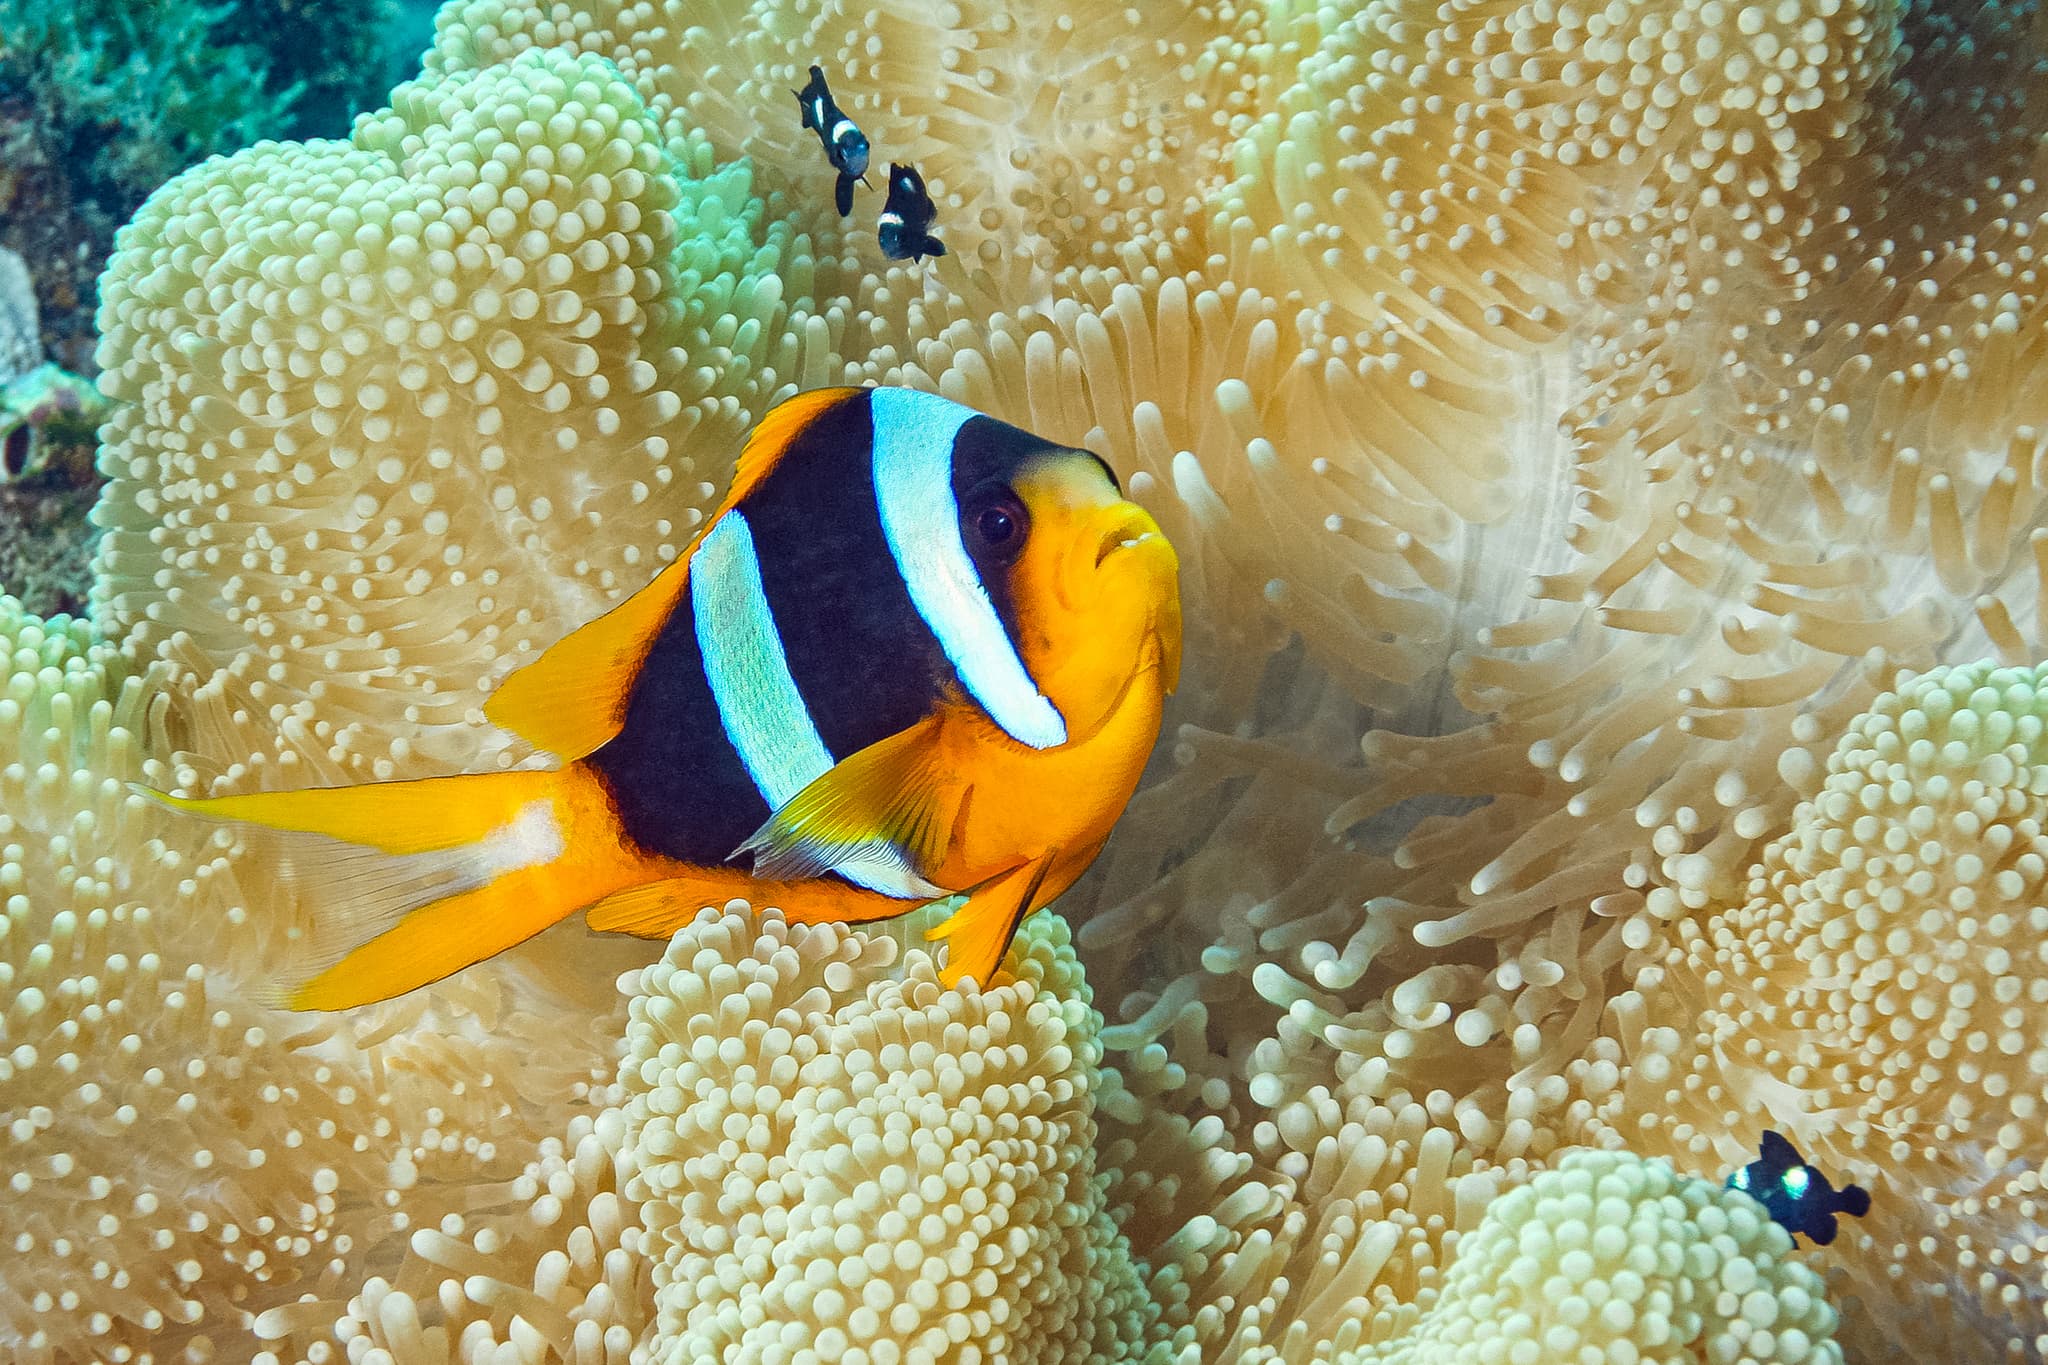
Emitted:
<point x="996" y="526"/>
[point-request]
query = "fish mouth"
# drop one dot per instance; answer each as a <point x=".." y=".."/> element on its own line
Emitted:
<point x="1123" y="536"/>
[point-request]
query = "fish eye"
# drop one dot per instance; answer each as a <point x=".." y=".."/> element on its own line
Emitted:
<point x="997" y="525"/>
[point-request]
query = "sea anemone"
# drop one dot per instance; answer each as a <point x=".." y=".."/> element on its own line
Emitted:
<point x="180" y="1158"/>
<point x="1870" y="985"/>
<point x="1609" y="1253"/>
<point x="355" y="341"/>
<point x="1566" y="418"/>
<point x="848" y="1173"/>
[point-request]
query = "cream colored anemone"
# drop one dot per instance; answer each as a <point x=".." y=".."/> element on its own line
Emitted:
<point x="1609" y="1255"/>
<point x="179" y="1159"/>
<point x="402" y="408"/>
<point x="842" y="1160"/>
<point x="831" y="1157"/>
<point x="1047" y="136"/>
<point x="1608" y="400"/>
<point x="1757" y="511"/>
<point x="1871" y="987"/>
<point x="838" y="1165"/>
<point x="569" y="1281"/>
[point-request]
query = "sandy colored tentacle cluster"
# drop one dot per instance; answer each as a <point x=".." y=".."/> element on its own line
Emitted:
<point x="573" y="1284"/>
<point x="860" y="1168"/>
<point x="465" y="375"/>
<point x="1693" y="583"/>
<point x="178" y="1158"/>
<point x="1872" y="986"/>
<point x="837" y="1157"/>
<point x="170" y="1152"/>
<point x="1047" y="136"/>
<point x="1613" y="1258"/>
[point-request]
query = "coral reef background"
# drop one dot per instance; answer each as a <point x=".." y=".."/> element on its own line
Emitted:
<point x="1606" y="450"/>
<point x="101" y="101"/>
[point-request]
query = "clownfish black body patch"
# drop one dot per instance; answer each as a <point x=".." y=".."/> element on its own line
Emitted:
<point x="904" y="228"/>
<point x="846" y="146"/>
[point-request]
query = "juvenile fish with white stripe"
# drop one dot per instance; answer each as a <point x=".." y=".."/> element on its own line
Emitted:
<point x="904" y="227"/>
<point x="915" y="653"/>
<point x="846" y="146"/>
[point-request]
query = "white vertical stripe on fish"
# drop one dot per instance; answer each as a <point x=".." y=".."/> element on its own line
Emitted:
<point x="913" y="463"/>
<point x="759" y="703"/>
<point x="764" y="714"/>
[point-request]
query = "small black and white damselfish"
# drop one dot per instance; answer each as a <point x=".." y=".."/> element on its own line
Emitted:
<point x="846" y="146"/>
<point x="1798" y="1197"/>
<point x="904" y="227"/>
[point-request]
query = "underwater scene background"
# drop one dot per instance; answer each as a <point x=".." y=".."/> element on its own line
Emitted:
<point x="1605" y="449"/>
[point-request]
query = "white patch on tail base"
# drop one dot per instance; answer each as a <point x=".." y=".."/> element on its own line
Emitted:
<point x="350" y="893"/>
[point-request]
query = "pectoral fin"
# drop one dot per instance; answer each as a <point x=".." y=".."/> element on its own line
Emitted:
<point x="877" y="818"/>
<point x="979" y="932"/>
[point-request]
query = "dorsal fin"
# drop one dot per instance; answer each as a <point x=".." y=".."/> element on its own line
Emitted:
<point x="1775" y="1148"/>
<point x="572" y="699"/>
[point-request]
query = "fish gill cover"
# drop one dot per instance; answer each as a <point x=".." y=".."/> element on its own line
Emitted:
<point x="1583" y="429"/>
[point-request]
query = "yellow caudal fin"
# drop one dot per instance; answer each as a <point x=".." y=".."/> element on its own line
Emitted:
<point x="402" y="883"/>
<point x="979" y="932"/>
<point x="572" y="699"/>
<point x="393" y="817"/>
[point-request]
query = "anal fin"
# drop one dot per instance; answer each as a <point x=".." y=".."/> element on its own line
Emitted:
<point x="654" y="910"/>
<point x="657" y="909"/>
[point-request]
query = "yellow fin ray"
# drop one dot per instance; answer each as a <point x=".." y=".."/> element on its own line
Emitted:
<point x="394" y="817"/>
<point x="890" y="805"/>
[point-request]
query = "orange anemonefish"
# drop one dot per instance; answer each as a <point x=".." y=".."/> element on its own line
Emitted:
<point x="916" y="652"/>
